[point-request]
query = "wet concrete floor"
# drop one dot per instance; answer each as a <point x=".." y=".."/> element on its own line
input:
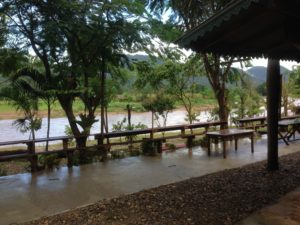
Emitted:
<point x="25" y="197"/>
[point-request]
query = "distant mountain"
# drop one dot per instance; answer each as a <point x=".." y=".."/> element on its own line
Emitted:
<point x="259" y="73"/>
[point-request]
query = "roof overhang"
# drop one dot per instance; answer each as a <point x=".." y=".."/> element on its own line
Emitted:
<point x="251" y="28"/>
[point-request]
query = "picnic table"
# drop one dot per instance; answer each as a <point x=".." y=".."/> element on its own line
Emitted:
<point x="229" y="134"/>
<point x="287" y="129"/>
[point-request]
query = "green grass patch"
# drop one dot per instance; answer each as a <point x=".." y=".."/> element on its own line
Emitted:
<point x="118" y="105"/>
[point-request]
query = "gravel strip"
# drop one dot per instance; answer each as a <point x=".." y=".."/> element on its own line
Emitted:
<point x="221" y="198"/>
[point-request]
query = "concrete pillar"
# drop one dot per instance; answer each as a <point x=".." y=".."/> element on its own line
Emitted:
<point x="273" y="103"/>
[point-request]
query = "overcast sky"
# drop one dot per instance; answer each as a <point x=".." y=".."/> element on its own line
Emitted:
<point x="263" y="62"/>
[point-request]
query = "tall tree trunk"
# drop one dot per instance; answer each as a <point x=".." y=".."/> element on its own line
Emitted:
<point x="217" y="79"/>
<point x="242" y="107"/>
<point x="86" y="94"/>
<point x="102" y="99"/>
<point x="66" y="104"/>
<point x="32" y="129"/>
<point x="102" y="94"/>
<point x="223" y="110"/>
<point x="129" y="115"/>
<point x="285" y="105"/>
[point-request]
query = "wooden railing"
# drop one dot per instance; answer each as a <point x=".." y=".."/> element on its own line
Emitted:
<point x="31" y="154"/>
<point x="258" y="122"/>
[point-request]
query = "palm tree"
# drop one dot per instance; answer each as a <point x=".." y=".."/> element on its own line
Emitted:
<point x="28" y="105"/>
<point x="34" y="83"/>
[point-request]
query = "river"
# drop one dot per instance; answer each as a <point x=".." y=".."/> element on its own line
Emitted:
<point x="8" y="132"/>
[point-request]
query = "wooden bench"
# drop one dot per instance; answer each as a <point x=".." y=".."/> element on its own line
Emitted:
<point x="32" y="155"/>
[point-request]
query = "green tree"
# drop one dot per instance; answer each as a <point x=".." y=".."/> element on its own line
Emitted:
<point x="291" y="89"/>
<point x="176" y="78"/>
<point x="160" y="105"/>
<point x="32" y="81"/>
<point x="186" y="15"/>
<point x="25" y="103"/>
<point x="77" y="43"/>
<point x="245" y="101"/>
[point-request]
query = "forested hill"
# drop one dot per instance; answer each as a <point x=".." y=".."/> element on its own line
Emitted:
<point x="259" y="73"/>
<point x="256" y="73"/>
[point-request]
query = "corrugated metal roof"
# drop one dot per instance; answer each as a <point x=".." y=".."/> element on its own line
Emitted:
<point x="233" y="9"/>
<point x="252" y="28"/>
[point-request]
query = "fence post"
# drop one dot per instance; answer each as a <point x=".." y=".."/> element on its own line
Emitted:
<point x="182" y="131"/>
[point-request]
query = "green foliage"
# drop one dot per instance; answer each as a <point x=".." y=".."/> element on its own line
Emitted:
<point x="27" y="124"/>
<point x="26" y="103"/>
<point x="3" y="171"/>
<point x="244" y="99"/>
<point x="68" y="130"/>
<point x="171" y="146"/>
<point x="86" y="122"/>
<point x="119" y="126"/>
<point x="76" y="42"/>
<point x="49" y="161"/>
<point x="160" y="105"/>
<point x="262" y="89"/>
<point x="294" y="82"/>
<point x="203" y="141"/>
<point x="117" y="154"/>
<point x="122" y="126"/>
<point x="175" y="78"/>
<point x="11" y="60"/>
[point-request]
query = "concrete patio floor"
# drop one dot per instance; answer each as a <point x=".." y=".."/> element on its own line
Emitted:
<point x="28" y="196"/>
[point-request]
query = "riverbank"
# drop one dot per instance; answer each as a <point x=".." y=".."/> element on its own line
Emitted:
<point x="9" y="112"/>
<point x="224" y="197"/>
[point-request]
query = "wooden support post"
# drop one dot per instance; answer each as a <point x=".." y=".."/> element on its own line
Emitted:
<point x="183" y="131"/>
<point x="206" y="129"/>
<point x="33" y="158"/>
<point x="252" y="143"/>
<point x="190" y="141"/>
<point x="273" y="100"/>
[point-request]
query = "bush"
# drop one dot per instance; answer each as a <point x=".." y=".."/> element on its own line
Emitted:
<point x="171" y="146"/>
<point x="118" y="154"/>
<point x="3" y="171"/>
<point x="203" y="141"/>
<point x="49" y="161"/>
